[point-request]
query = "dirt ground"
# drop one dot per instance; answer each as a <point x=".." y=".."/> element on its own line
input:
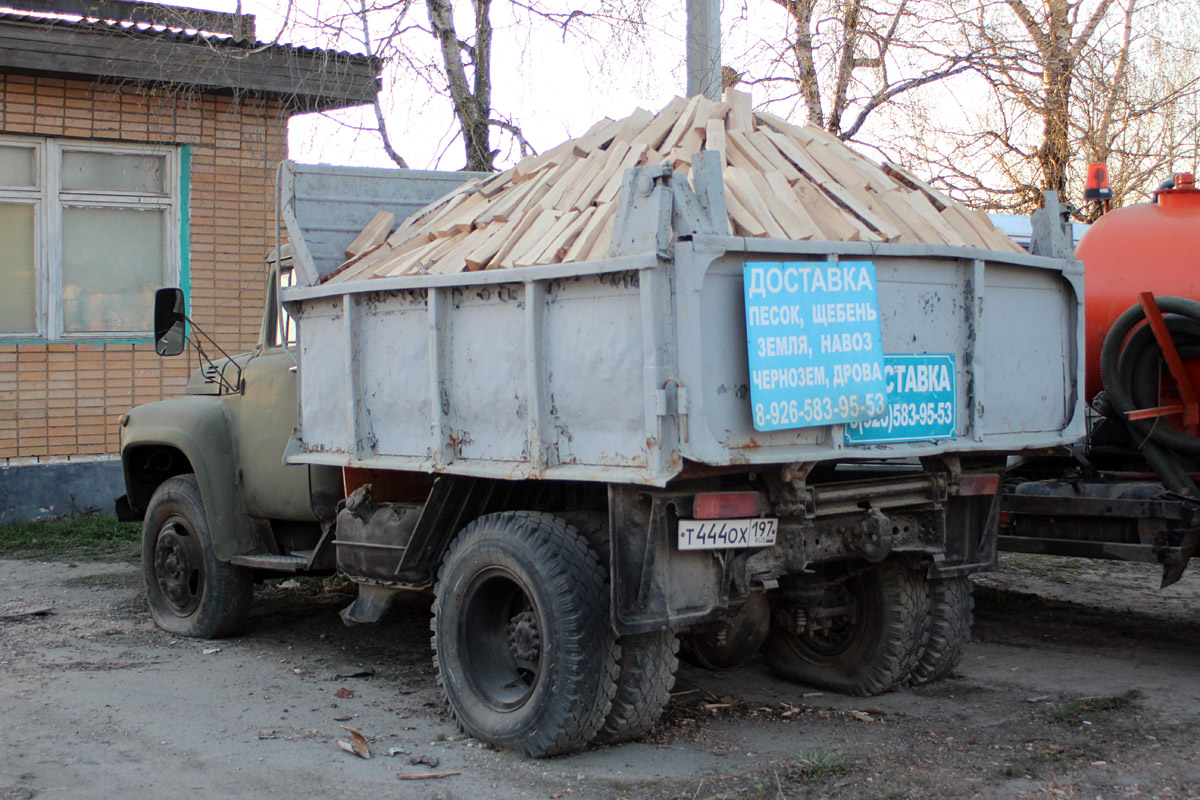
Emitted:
<point x="1081" y="682"/>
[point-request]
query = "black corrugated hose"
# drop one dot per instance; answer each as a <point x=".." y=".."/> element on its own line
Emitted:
<point x="1130" y="371"/>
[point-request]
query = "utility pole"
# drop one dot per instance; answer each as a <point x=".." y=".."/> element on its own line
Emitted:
<point x="704" y="48"/>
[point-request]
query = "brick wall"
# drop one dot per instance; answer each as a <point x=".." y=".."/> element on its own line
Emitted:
<point x="61" y="400"/>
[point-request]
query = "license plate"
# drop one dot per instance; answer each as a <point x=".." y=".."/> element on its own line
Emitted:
<point x="719" y="534"/>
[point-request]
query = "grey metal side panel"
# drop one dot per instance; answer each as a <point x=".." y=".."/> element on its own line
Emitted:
<point x="537" y="378"/>
<point x="331" y="205"/>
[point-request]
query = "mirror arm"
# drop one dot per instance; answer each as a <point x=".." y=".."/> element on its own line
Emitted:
<point x="200" y="350"/>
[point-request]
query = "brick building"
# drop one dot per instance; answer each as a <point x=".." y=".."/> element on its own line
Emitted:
<point x="138" y="148"/>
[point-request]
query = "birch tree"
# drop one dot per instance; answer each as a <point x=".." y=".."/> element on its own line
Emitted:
<point x="841" y="61"/>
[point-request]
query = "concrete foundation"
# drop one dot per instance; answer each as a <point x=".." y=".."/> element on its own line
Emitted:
<point x="45" y="491"/>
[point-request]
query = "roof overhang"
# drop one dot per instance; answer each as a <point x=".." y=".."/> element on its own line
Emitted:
<point x="305" y="79"/>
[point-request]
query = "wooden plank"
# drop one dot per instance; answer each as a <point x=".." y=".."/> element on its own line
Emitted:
<point x="763" y="144"/>
<point x="557" y="249"/>
<point x="564" y="178"/>
<point x="905" y="177"/>
<point x="503" y="259"/>
<point x="485" y="254"/>
<point x="635" y="156"/>
<point x="618" y="154"/>
<point x="633" y="125"/>
<point x="599" y="135"/>
<point x="901" y="222"/>
<point x="426" y="222"/>
<point x="922" y="206"/>
<point x="591" y="231"/>
<point x="497" y="182"/>
<point x="603" y="244"/>
<point x="661" y="125"/>
<point x="463" y="218"/>
<point x="741" y="111"/>
<point x="859" y="207"/>
<point x="691" y="143"/>
<point x="401" y="263"/>
<point x="372" y="235"/>
<point x="788" y="210"/>
<point x="995" y="239"/>
<point x="741" y="184"/>
<point x="479" y="257"/>
<point x="502" y="207"/>
<point x="351" y="266"/>
<point x="744" y="155"/>
<point x="714" y="137"/>
<point x="369" y="264"/>
<point x="745" y="221"/>
<point x="834" y="161"/>
<point x="953" y="214"/>
<point x="537" y="252"/>
<point x="835" y="224"/>
<point x="799" y="157"/>
<point x="682" y="125"/>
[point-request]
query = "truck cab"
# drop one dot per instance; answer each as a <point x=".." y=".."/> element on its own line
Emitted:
<point x="206" y="469"/>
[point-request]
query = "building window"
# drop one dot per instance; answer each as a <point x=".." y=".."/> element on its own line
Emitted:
<point x="88" y="231"/>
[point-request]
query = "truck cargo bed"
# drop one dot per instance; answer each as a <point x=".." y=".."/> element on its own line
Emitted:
<point x="627" y="369"/>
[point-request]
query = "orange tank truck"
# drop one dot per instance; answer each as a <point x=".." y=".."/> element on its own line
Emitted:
<point x="1152" y="247"/>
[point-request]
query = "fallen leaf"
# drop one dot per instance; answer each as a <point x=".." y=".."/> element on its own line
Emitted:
<point x="357" y="744"/>
<point x="853" y="714"/>
<point x="344" y="694"/>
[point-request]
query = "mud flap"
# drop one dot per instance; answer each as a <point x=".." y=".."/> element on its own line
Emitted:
<point x="654" y="584"/>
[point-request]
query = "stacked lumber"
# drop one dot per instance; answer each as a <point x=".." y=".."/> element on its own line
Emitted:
<point x="782" y="181"/>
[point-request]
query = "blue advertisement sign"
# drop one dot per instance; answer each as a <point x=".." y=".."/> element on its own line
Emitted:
<point x="814" y="342"/>
<point x="921" y="398"/>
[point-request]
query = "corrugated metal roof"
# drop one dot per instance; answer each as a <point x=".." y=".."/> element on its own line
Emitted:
<point x="164" y="32"/>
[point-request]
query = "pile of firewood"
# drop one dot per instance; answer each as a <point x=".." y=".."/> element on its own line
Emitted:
<point x="781" y="181"/>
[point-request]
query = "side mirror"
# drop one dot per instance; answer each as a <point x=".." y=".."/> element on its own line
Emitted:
<point x="169" y="321"/>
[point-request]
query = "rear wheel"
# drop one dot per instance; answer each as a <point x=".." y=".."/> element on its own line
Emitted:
<point x="646" y="662"/>
<point x="951" y="612"/>
<point x="862" y="637"/>
<point x="521" y="642"/>
<point x="190" y="592"/>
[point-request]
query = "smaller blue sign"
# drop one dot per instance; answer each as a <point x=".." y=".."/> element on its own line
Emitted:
<point x="921" y="400"/>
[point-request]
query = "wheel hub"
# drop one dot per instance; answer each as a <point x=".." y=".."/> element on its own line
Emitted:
<point x="524" y="639"/>
<point x="179" y="568"/>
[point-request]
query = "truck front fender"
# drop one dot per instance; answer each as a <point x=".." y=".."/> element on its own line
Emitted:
<point x="199" y="431"/>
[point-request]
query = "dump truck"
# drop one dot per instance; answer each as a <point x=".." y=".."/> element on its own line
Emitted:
<point x="1127" y="490"/>
<point x="741" y="444"/>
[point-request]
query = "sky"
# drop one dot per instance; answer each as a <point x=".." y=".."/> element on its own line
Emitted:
<point x="554" y="87"/>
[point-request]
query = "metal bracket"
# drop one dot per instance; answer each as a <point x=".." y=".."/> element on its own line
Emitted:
<point x="657" y="205"/>
<point x="1051" y="228"/>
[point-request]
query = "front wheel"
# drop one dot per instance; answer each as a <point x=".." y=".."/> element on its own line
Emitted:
<point x="863" y="637"/>
<point x="521" y="643"/>
<point x="190" y="592"/>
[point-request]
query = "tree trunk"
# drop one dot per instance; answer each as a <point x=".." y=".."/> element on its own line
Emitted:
<point x="801" y="12"/>
<point x="471" y="108"/>
<point x="1055" y="152"/>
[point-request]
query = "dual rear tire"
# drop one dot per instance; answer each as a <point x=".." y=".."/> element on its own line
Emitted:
<point x="890" y="627"/>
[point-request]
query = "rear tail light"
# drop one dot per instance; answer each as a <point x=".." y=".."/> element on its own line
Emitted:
<point x="969" y="485"/>
<point x="725" y="505"/>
